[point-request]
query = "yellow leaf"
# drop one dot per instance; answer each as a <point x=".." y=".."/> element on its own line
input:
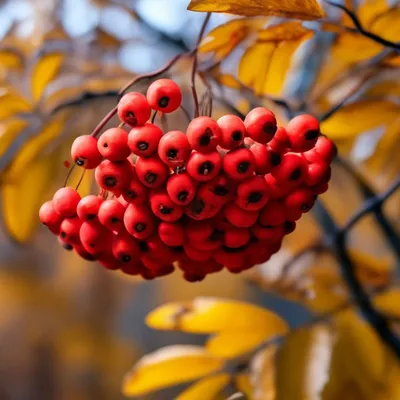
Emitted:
<point x="387" y="26"/>
<point x="12" y="103"/>
<point x="10" y="58"/>
<point x="385" y="88"/>
<point x="9" y="130"/>
<point x="233" y="344"/>
<point x="359" y="117"/>
<point x="243" y="384"/>
<point x="300" y="9"/>
<point x="224" y="38"/>
<point x="209" y="315"/>
<point x="205" y="389"/>
<point x="370" y="10"/>
<point x="169" y="366"/>
<point x="388" y="302"/>
<point x="292" y="30"/>
<point x="229" y="81"/>
<point x="44" y="71"/>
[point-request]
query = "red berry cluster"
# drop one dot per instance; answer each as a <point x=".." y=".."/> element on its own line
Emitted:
<point x="224" y="193"/>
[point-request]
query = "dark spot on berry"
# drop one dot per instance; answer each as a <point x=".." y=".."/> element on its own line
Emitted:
<point x="67" y="246"/>
<point x="296" y="174"/>
<point x="216" y="235"/>
<point x="91" y="245"/>
<point x="142" y="146"/>
<point x="254" y="197"/>
<point x="172" y="153"/>
<point x="165" y="210"/>
<point x="88" y="257"/>
<point x="131" y="194"/>
<point x="150" y="177"/>
<point x="110" y="181"/>
<point x="130" y="116"/>
<point x="63" y="235"/>
<point x="205" y="138"/>
<point x="205" y="168"/>
<point x="182" y="196"/>
<point x="275" y="159"/>
<point x="105" y="145"/>
<point x="243" y="167"/>
<point x="80" y="162"/>
<point x="289" y="226"/>
<point x="143" y="246"/>
<point x="310" y="135"/>
<point x="91" y="216"/>
<point x="163" y="102"/>
<point x="140" y="227"/>
<point x="233" y="249"/>
<point x="114" y="220"/>
<point x="305" y="207"/>
<point x="126" y="258"/>
<point x="220" y="190"/>
<point x="269" y="128"/>
<point x="197" y="206"/>
<point x="177" y="249"/>
<point x="237" y="136"/>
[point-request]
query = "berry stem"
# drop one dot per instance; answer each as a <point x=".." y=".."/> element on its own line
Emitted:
<point x="104" y="121"/>
<point x="194" y="66"/>
<point x="68" y="175"/>
<point x="153" y="118"/>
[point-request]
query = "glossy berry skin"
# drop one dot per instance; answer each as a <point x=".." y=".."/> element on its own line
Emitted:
<point x="80" y="250"/>
<point x="236" y="237"/>
<point x="218" y="191"/>
<point x="320" y="188"/>
<point x="113" y="176"/>
<point x="199" y="231"/>
<point x="280" y="142"/>
<point x="233" y="131"/>
<point x="195" y="254"/>
<point x="113" y="144"/>
<point x="143" y="140"/>
<point x="291" y="171"/>
<point x="111" y="215"/>
<point x="139" y="221"/>
<point x="172" y="234"/>
<point x="94" y="237"/>
<point x="239" y="164"/>
<point x="133" y="109"/>
<point x="164" y="95"/>
<point x="135" y="192"/>
<point x="203" y="167"/>
<point x="125" y="248"/>
<point x="174" y="148"/>
<point x="84" y="152"/>
<point x="199" y="209"/>
<point x="323" y="151"/>
<point x="265" y="159"/>
<point x="49" y="217"/>
<point x="69" y="230"/>
<point x="88" y="207"/>
<point x="260" y="124"/>
<point x="151" y="171"/>
<point x="181" y="188"/>
<point x="239" y="217"/>
<point x="159" y="251"/>
<point x="275" y="190"/>
<point x="298" y="202"/>
<point x="274" y="213"/>
<point x="203" y="134"/>
<point x="268" y="233"/>
<point x="303" y="132"/>
<point x="252" y="194"/>
<point x="230" y="258"/>
<point x="317" y="173"/>
<point x="163" y="207"/>
<point x="65" y="202"/>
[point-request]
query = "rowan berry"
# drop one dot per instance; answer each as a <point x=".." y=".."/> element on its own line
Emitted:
<point x="88" y="207"/>
<point x="65" y="201"/>
<point x="181" y="188"/>
<point x="275" y="190"/>
<point x="49" y="217"/>
<point x="135" y="192"/>
<point x="198" y="231"/>
<point x="232" y="259"/>
<point x="289" y="227"/>
<point x="199" y="209"/>
<point x="298" y="202"/>
<point x="133" y="268"/>
<point x="233" y="131"/>
<point x="218" y="191"/>
<point x="163" y="207"/>
<point x="113" y="176"/>
<point x="139" y="221"/>
<point x="212" y="243"/>
<point x="303" y="132"/>
<point x="252" y="194"/>
<point x="143" y="140"/>
<point x="203" y="134"/>
<point x="203" y="167"/>
<point x="125" y="248"/>
<point x="69" y="230"/>
<point x="280" y="142"/>
<point x="111" y="215"/>
<point x="64" y="244"/>
<point x="108" y="261"/>
<point x="133" y="109"/>
<point x="113" y="144"/>
<point x="236" y="237"/>
<point x="151" y="171"/>
<point x="324" y="150"/>
<point x="320" y="188"/>
<point x="291" y="171"/>
<point x="193" y="276"/>
<point x="269" y="233"/>
<point x="172" y="233"/>
<point x="94" y="237"/>
<point x="84" y="152"/>
<point x="164" y="95"/>
<point x="159" y="251"/>
<point x="264" y="158"/>
<point x="80" y="250"/>
<point x="317" y="173"/>
<point x="239" y="217"/>
<point x="196" y="254"/>
<point x="260" y="124"/>
<point x="174" y="148"/>
<point x="274" y="213"/>
<point x="239" y="164"/>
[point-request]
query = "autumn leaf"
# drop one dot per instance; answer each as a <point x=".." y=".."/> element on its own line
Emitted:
<point x="9" y="131"/>
<point x="205" y="389"/>
<point x="300" y="9"/>
<point x="292" y="30"/>
<point x="12" y="103"/>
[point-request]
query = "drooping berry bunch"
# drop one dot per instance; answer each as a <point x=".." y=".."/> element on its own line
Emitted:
<point x="223" y="194"/>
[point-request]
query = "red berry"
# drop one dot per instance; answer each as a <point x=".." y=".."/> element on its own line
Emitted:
<point x="88" y="207"/>
<point x="252" y="194"/>
<point x="199" y="209"/>
<point x="80" y="250"/>
<point x="181" y="188"/>
<point x="151" y="171"/>
<point x="317" y="173"/>
<point x="291" y="171"/>
<point x="49" y="217"/>
<point x="112" y="176"/>
<point x="113" y="144"/>
<point x="324" y="150"/>
<point x="193" y="277"/>
<point x="320" y="188"/>
<point x="298" y="202"/>
<point x="203" y="167"/>
<point x="133" y="109"/>
<point x="132" y="268"/>
<point x="95" y="237"/>
<point x="125" y="248"/>
<point x="143" y="140"/>
<point x="195" y="254"/>
<point x="69" y="230"/>
<point x="239" y="217"/>
<point x="164" y="95"/>
<point x="303" y="132"/>
<point x="84" y="152"/>
<point x="163" y="207"/>
<point x="108" y="261"/>
<point x="65" y="201"/>
<point x="236" y="237"/>
<point x="203" y="134"/>
<point x="231" y="258"/>
<point x="174" y="148"/>
<point x="139" y="221"/>
<point x="260" y="124"/>
<point x="280" y="143"/>
<point x="135" y="192"/>
<point x="265" y="159"/>
<point x="64" y="245"/>
<point x="275" y="190"/>
<point x="239" y="164"/>
<point x="274" y="213"/>
<point x="289" y="227"/>
<point x="219" y="190"/>
<point x="212" y="243"/>
<point x="268" y="233"/>
<point x="172" y="234"/>
<point x="233" y="131"/>
<point x="111" y="215"/>
<point x="198" y="231"/>
<point x="159" y="251"/>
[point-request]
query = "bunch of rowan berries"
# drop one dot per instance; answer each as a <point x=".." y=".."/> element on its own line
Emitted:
<point x="223" y="194"/>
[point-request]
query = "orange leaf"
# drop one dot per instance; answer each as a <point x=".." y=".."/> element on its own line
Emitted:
<point x="292" y="30"/>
